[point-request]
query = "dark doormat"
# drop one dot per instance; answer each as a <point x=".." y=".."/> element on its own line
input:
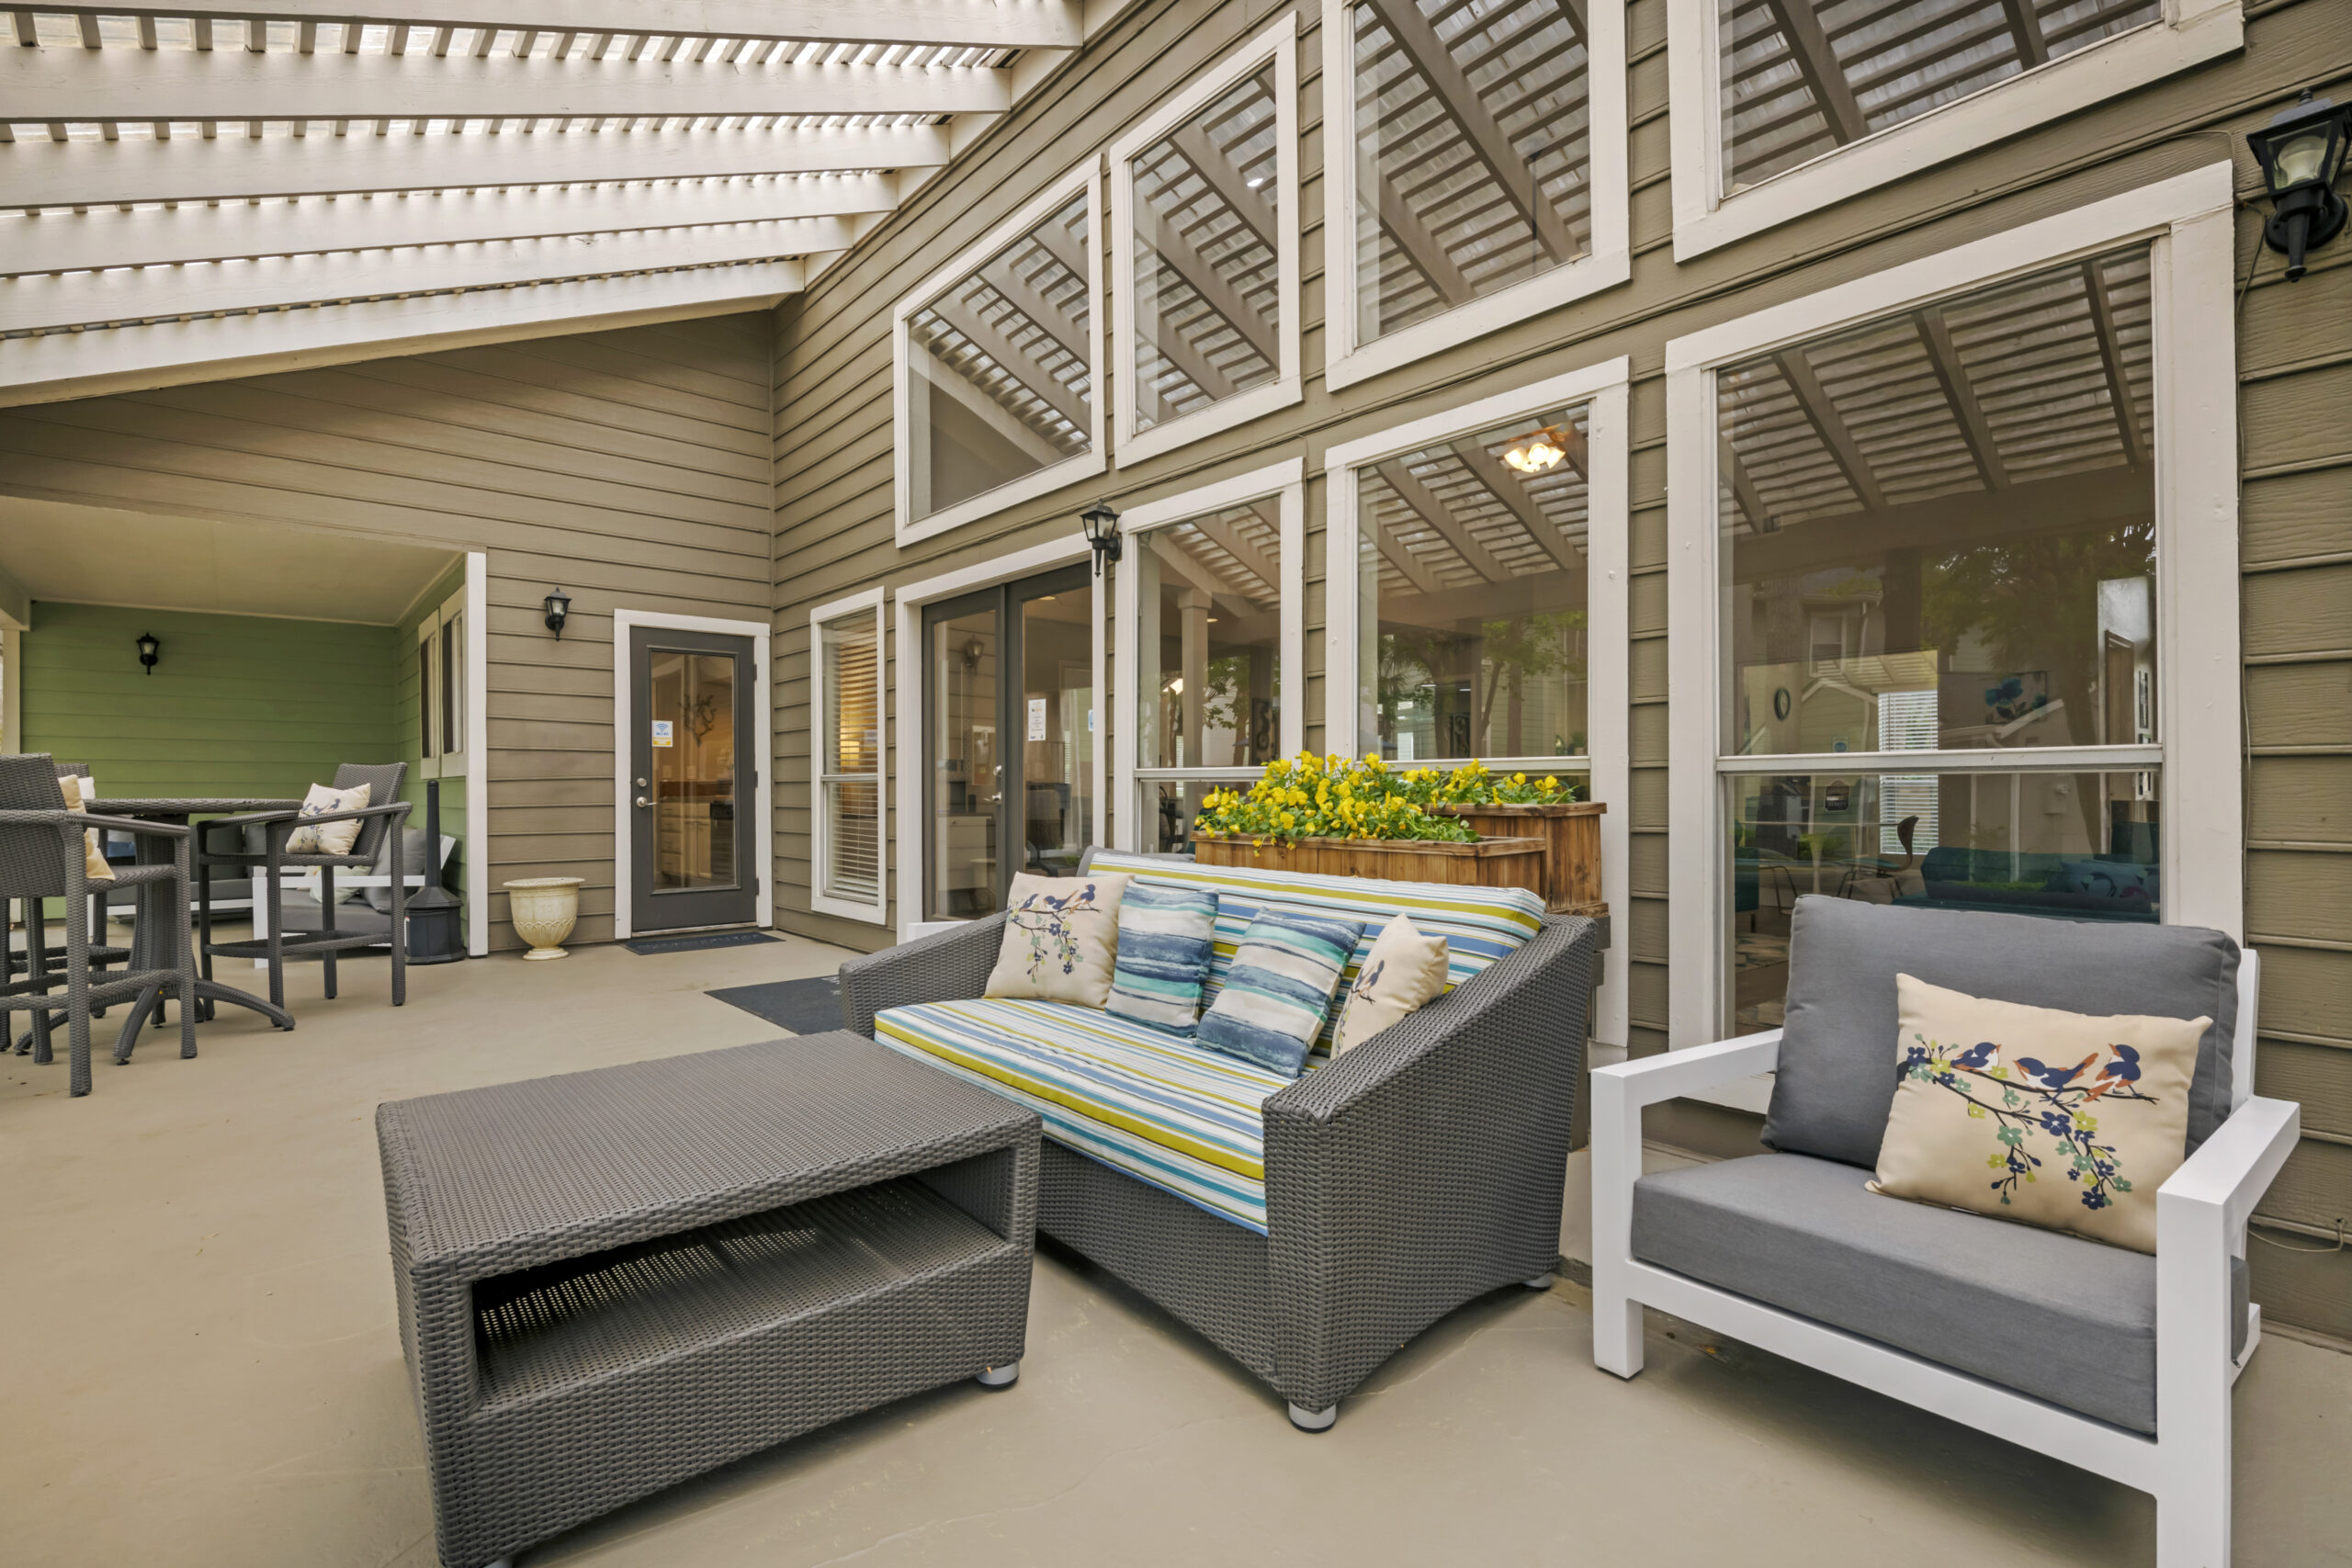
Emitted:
<point x="653" y="944"/>
<point x="805" y="1007"/>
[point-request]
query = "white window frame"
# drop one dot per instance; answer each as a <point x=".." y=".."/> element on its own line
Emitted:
<point x="1054" y="476"/>
<point x="436" y="759"/>
<point x="1607" y="265"/>
<point x="1604" y="390"/>
<point x="428" y="696"/>
<point x="2189" y="33"/>
<point x="908" y="701"/>
<point x="1278" y="43"/>
<point x="1285" y="482"/>
<point x="877" y="913"/>
<point x="2187" y="220"/>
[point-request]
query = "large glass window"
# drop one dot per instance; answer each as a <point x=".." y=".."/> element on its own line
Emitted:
<point x="1472" y="557"/>
<point x="1207" y="310"/>
<point x="1474" y="158"/>
<point x="999" y="369"/>
<point x="1941" y="532"/>
<point x="1805" y="78"/>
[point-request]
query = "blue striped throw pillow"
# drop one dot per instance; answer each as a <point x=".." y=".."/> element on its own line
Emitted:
<point x="1280" y="987"/>
<point x="1167" y="936"/>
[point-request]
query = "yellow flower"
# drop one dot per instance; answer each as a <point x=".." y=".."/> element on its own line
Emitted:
<point x="1288" y="820"/>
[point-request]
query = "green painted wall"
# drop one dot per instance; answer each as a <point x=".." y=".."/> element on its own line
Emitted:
<point x="237" y="705"/>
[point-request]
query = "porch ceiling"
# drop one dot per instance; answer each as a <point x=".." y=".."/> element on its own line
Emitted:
<point x="92" y="555"/>
<point x="186" y="194"/>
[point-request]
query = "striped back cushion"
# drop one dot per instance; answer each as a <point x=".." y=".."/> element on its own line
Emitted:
<point x="1479" y="924"/>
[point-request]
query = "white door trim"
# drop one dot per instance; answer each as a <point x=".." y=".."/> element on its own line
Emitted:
<point x="908" y="668"/>
<point x="2187" y="218"/>
<point x="763" y="755"/>
<point x="478" y="872"/>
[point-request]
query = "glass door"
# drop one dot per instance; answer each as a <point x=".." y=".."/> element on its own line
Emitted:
<point x="1008" y="739"/>
<point x="691" y="850"/>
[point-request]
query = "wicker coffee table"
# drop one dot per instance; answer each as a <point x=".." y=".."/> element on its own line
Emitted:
<point x="611" y="1280"/>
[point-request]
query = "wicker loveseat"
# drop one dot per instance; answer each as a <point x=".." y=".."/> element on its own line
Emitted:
<point x="1422" y="1168"/>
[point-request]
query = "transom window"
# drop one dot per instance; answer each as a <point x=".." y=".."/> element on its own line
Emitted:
<point x="997" y="384"/>
<point x="1489" y="154"/>
<point x="1205" y="201"/>
<point x="1805" y="77"/>
<point x="1782" y="108"/>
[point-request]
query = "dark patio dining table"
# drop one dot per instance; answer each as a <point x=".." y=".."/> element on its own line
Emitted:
<point x="160" y="926"/>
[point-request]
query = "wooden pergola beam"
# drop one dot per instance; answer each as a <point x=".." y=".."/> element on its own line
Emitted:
<point x="1935" y="332"/>
<point x="985" y="24"/>
<point x="1507" y="487"/>
<point x="2025" y="26"/>
<point x="1743" y="489"/>
<point x="1225" y="182"/>
<point x="1460" y="99"/>
<point x="1423" y="249"/>
<point x="1195" y="272"/>
<point x="1433" y="511"/>
<point x="1818" y="63"/>
<point x="1823" y="414"/>
<point x="1229" y="539"/>
<point x="2110" y="358"/>
<point x="992" y="339"/>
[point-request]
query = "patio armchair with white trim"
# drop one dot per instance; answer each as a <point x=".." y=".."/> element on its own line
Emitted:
<point x="2109" y="1360"/>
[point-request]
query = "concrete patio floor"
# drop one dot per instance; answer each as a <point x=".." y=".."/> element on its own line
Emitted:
<point x="201" y="1368"/>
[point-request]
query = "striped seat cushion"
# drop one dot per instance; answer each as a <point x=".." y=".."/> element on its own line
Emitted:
<point x="1140" y="1099"/>
<point x="1479" y="924"/>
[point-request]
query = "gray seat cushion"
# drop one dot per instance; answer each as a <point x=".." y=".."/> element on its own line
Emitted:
<point x="1835" y="1079"/>
<point x="2067" y="1320"/>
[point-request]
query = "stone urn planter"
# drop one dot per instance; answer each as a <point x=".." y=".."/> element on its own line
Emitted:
<point x="543" y="909"/>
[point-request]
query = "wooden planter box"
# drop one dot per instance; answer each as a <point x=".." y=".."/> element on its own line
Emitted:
<point x="1571" y="836"/>
<point x="1489" y="862"/>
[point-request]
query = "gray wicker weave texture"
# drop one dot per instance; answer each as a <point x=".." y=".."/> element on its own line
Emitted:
<point x="1423" y="1168"/>
<point x="611" y="1280"/>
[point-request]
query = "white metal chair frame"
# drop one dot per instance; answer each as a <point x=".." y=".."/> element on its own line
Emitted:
<point x="2202" y="1214"/>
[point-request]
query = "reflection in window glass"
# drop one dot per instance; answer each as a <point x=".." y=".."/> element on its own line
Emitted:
<point x="1473" y="153"/>
<point x="1000" y="382"/>
<point x="692" y="703"/>
<point x="2074" y="846"/>
<point x="1805" y="77"/>
<point x="1474" y="594"/>
<point x="1943" y="525"/>
<point x="1208" y="220"/>
<point x="967" y="783"/>
<point x="1171" y="806"/>
<point x="1942" y="539"/>
<point x="1209" y="640"/>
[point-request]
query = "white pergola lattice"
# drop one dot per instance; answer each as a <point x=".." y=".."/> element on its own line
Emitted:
<point x="184" y="195"/>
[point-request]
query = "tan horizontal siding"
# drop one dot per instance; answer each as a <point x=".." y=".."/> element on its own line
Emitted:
<point x="629" y="468"/>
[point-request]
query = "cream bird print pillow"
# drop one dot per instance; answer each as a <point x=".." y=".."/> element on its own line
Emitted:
<point x="2054" y="1118"/>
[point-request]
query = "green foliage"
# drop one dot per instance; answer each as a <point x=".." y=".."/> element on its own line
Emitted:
<point x="1338" y="797"/>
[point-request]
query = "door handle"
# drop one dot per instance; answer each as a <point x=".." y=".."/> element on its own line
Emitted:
<point x="642" y="802"/>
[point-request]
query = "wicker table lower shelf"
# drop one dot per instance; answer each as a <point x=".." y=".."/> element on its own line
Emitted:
<point x="611" y="1280"/>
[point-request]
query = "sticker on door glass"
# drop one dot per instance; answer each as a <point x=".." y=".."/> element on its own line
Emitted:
<point x="1037" y="718"/>
<point x="661" y="732"/>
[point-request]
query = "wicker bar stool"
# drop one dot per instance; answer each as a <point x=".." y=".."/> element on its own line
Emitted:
<point x="41" y="857"/>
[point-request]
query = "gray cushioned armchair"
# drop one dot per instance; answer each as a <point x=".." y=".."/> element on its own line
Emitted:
<point x="2117" y="1361"/>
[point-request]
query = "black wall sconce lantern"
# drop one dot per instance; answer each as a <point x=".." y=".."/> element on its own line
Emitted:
<point x="559" y="609"/>
<point x="151" y="649"/>
<point x="1102" y="524"/>
<point x="2301" y="153"/>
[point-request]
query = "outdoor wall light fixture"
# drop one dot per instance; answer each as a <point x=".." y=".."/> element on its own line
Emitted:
<point x="1102" y="524"/>
<point x="151" y="649"/>
<point x="559" y="610"/>
<point x="1534" y="454"/>
<point x="2301" y="151"/>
